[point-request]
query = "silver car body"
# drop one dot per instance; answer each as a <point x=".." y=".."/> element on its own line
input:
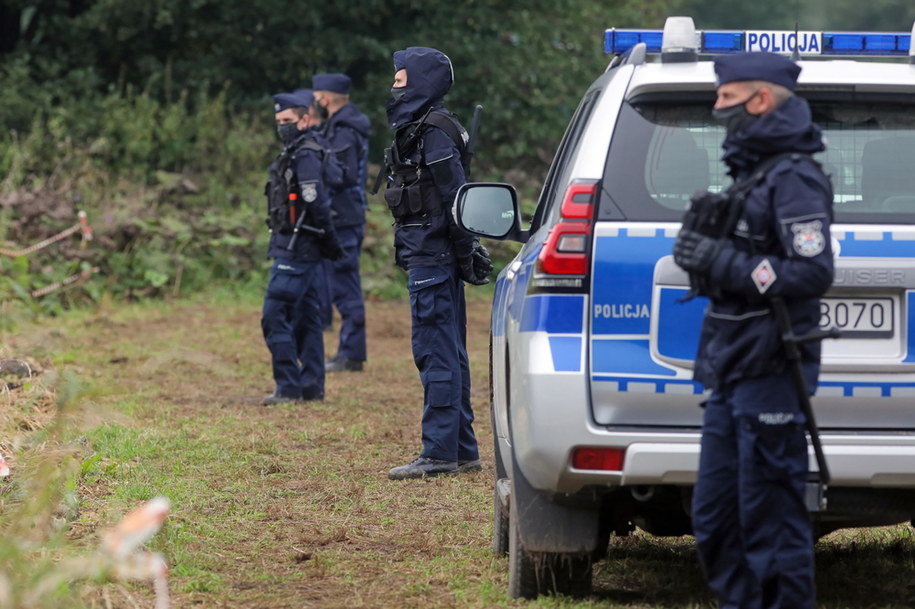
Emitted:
<point x="591" y="369"/>
<point x="600" y="362"/>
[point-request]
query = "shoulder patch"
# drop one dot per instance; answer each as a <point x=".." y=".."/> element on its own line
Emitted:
<point x="808" y="238"/>
<point x="309" y="191"/>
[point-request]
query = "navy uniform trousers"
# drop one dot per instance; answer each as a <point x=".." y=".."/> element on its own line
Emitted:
<point x="749" y="517"/>
<point x="292" y="328"/>
<point x="344" y="291"/>
<point x="439" y="320"/>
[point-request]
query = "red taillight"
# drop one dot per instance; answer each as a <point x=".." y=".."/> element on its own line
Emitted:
<point x="569" y="241"/>
<point x="566" y="249"/>
<point x="597" y="458"/>
<point x="578" y="204"/>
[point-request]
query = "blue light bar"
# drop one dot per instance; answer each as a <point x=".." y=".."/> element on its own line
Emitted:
<point x="620" y="41"/>
<point x="874" y="44"/>
<point x="849" y="43"/>
<point x="721" y="42"/>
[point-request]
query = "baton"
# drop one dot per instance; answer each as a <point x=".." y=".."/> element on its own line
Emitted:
<point x="472" y="139"/>
<point x="793" y="354"/>
<point x="300" y="226"/>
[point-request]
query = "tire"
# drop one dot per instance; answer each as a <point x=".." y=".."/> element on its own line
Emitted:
<point x="531" y="574"/>
<point x="499" y="524"/>
<point x="501" y="472"/>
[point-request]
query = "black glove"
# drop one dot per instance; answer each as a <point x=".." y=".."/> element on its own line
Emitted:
<point x="482" y="263"/>
<point x="468" y="272"/>
<point x="694" y="252"/>
<point x="330" y="249"/>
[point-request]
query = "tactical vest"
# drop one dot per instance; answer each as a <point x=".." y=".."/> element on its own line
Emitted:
<point x="282" y="189"/>
<point x="411" y="190"/>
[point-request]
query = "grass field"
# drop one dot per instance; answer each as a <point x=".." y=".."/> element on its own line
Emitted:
<point x="290" y="506"/>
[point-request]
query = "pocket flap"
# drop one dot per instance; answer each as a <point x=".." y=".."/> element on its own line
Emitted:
<point x="426" y="277"/>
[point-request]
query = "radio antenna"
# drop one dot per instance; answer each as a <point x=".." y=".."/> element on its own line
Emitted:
<point x="795" y="54"/>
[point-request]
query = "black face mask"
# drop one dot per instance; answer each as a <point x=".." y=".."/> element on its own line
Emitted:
<point x="398" y="92"/>
<point x="735" y="118"/>
<point x="287" y="132"/>
<point x="321" y="110"/>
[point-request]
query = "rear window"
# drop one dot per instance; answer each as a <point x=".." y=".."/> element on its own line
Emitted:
<point x="664" y="149"/>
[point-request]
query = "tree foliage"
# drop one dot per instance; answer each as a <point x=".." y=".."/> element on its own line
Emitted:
<point x="876" y="15"/>
<point x="527" y="65"/>
<point x="156" y="116"/>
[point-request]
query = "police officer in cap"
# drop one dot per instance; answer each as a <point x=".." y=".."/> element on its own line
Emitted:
<point x="347" y="129"/>
<point x="425" y="169"/>
<point x="301" y="235"/>
<point x="752" y="527"/>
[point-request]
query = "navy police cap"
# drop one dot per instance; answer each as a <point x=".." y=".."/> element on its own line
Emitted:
<point x="306" y="96"/>
<point x="769" y="67"/>
<point x="335" y="83"/>
<point x="284" y="101"/>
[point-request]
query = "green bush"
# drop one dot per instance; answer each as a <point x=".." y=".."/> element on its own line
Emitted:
<point x="172" y="191"/>
<point x="142" y="116"/>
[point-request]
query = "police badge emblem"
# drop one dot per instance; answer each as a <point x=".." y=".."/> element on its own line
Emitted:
<point x="309" y="191"/>
<point x="808" y="238"/>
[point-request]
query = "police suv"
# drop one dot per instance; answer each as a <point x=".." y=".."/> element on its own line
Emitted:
<point x="595" y="414"/>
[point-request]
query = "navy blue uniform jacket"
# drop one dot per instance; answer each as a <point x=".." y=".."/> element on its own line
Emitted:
<point x="781" y="247"/>
<point x="348" y="131"/>
<point x="435" y="240"/>
<point x="313" y="196"/>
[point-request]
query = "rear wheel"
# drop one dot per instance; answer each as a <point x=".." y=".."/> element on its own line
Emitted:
<point x="499" y="518"/>
<point x="531" y="574"/>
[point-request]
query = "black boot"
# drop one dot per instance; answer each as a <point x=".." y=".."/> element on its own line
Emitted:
<point x="424" y="467"/>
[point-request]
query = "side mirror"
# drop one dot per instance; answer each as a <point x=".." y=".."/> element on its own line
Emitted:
<point x="489" y="209"/>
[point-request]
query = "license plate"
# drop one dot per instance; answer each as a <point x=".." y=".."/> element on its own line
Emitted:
<point x="858" y="317"/>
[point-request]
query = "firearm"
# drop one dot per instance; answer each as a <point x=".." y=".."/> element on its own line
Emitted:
<point x="472" y="139"/>
<point x="713" y="215"/>
<point x="716" y="214"/>
<point x="793" y="355"/>
<point x="300" y="224"/>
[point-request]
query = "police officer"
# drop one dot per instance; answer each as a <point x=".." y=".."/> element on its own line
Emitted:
<point x="301" y="234"/>
<point x="425" y="170"/>
<point x="749" y="516"/>
<point x="347" y="129"/>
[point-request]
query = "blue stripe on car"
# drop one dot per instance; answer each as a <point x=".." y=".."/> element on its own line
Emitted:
<point x="910" y="331"/>
<point x="649" y="385"/>
<point x="679" y="324"/>
<point x="625" y="357"/>
<point x="876" y="244"/>
<point x="555" y="314"/>
<point x="566" y="352"/>
<point x="626" y="268"/>
<point x="826" y="388"/>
